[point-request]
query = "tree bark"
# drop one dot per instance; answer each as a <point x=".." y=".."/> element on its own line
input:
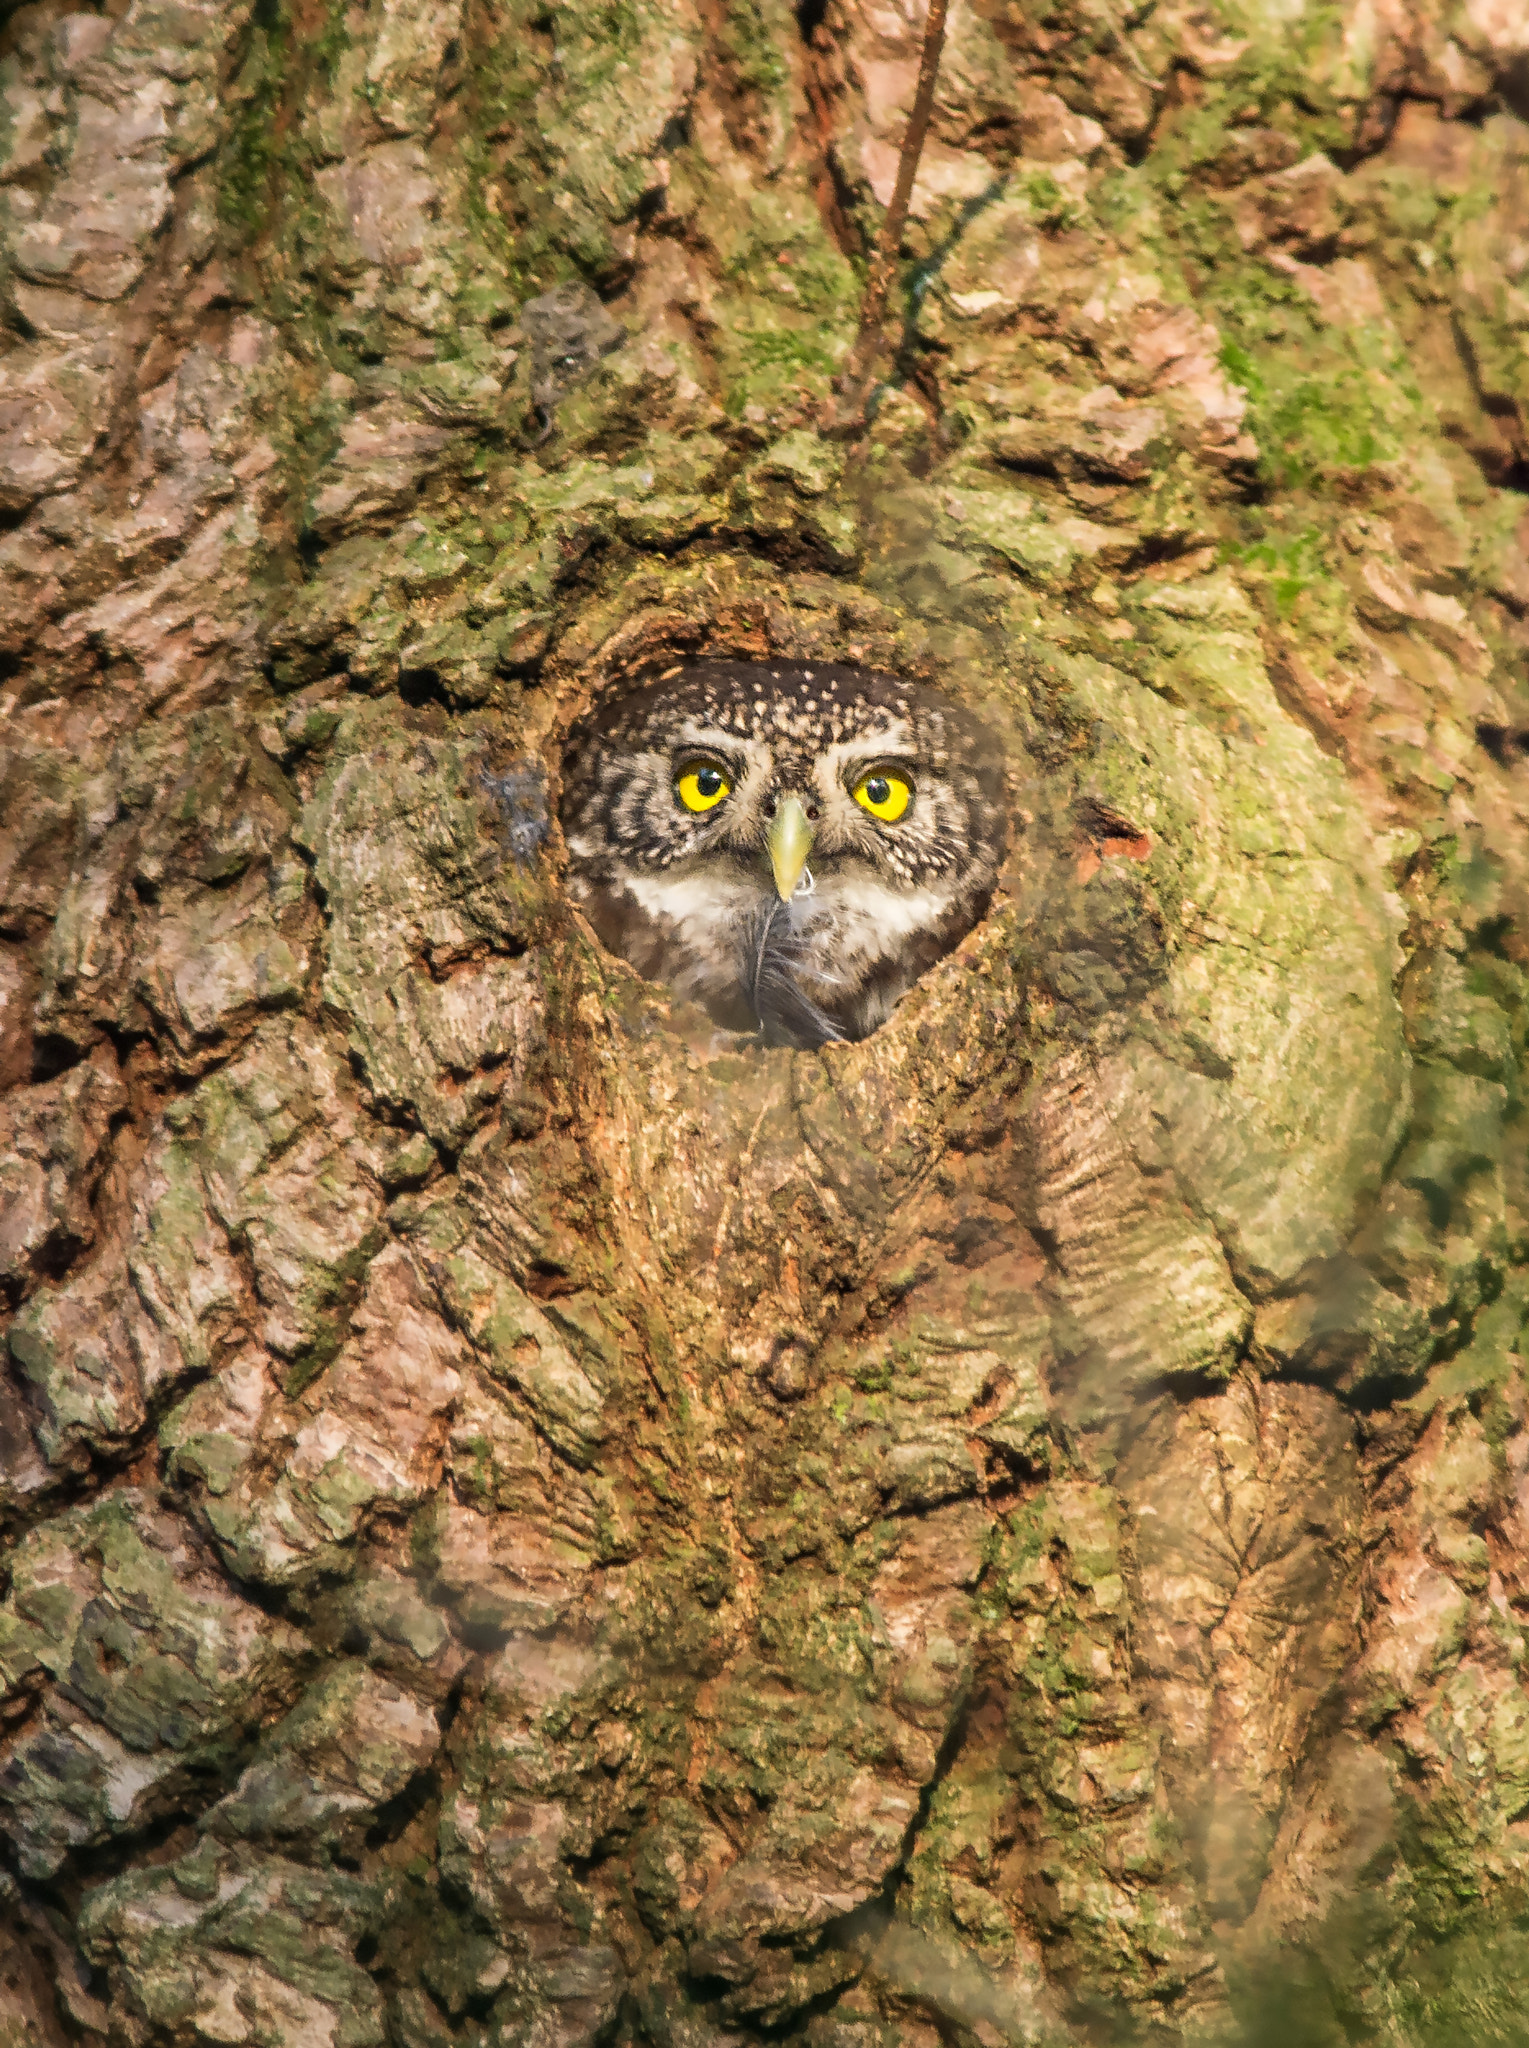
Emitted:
<point x="522" y="1523"/>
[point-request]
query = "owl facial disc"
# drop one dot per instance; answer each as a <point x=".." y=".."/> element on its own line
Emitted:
<point x="690" y="809"/>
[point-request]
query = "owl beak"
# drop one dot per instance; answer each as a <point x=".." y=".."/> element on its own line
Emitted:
<point x="790" y="841"/>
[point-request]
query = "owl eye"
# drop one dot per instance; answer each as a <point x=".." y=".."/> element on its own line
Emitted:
<point x="884" y="796"/>
<point x="702" y="787"/>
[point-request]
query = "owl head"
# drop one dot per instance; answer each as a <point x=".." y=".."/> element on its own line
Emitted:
<point x="791" y="845"/>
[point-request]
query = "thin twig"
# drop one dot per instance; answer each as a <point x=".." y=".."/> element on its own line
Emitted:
<point x="855" y="384"/>
<point x="889" y="241"/>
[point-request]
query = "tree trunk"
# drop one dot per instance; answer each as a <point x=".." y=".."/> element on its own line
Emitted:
<point x="523" y="1523"/>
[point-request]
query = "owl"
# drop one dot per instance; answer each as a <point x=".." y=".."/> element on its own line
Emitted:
<point x="789" y="845"/>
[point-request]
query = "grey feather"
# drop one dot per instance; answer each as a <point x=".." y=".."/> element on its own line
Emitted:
<point x="777" y="945"/>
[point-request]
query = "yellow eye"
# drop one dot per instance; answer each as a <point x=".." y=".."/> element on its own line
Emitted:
<point x="884" y="796"/>
<point x="703" y="787"/>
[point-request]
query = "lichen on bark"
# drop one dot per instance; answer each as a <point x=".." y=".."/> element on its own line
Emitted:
<point x="521" y="1522"/>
